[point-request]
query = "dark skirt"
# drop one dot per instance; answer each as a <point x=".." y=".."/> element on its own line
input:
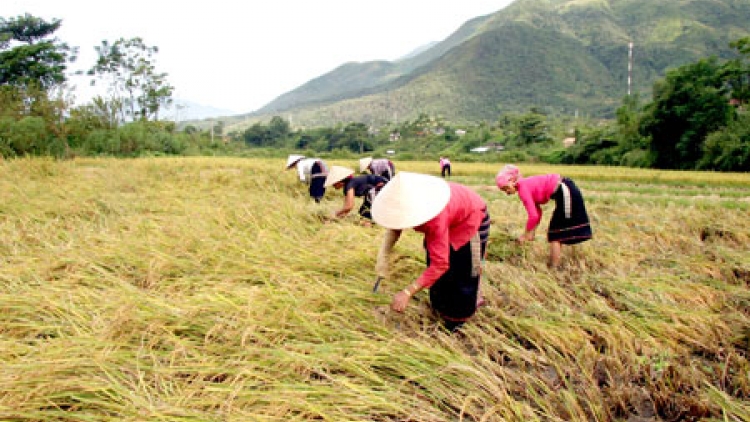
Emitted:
<point x="317" y="181"/>
<point x="364" y="210"/>
<point x="454" y="294"/>
<point x="573" y="226"/>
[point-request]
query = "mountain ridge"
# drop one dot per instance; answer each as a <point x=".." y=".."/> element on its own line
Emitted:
<point x="559" y="55"/>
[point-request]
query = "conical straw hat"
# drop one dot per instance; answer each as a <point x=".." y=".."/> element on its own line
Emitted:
<point x="292" y="160"/>
<point x="409" y="200"/>
<point x="337" y="174"/>
<point x="364" y="163"/>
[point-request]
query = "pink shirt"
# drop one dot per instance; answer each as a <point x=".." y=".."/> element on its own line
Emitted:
<point x="453" y="227"/>
<point x="534" y="191"/>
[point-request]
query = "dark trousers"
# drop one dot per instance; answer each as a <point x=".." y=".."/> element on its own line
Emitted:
<point x="454" y="294"/>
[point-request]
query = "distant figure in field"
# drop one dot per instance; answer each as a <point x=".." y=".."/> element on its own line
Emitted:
<point x="380" y="166"/>
<point x="312" y="171"/>
<point x="445" y="166"/>
<point x="456" y="225"/>
<point x="365" y="186"/>
<point x="569" y="224"/>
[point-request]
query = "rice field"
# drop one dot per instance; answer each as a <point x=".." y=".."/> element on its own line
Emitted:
<point x="215" y="289"/>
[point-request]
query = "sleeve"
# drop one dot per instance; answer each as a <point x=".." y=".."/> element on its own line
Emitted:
<point x="301" y="171"/>
<point x="438" y="246"/>
<point x="533" y="210"/>
<point x="390" y="239"/>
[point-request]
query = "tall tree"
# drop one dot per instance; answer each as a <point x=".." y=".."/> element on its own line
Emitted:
<point x="129" y="67"/>
<point x="737" y="72"/>
<point x="688" y="105"/>
<point x="29" y="55"/>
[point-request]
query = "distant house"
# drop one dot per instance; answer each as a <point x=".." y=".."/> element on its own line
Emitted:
<point x="567" y="142"/>
<point x="489" y="147"/>
<point x="390" y="152"/>
<point x="460" y="132"/>
<point x="395" y="136"/>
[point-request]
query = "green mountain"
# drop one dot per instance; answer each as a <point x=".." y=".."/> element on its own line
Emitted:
<point x="561" y="56"/>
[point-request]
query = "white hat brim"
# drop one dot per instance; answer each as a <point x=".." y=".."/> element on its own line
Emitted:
<point x="293" y="159"/>
<point x="337" y="174"/>
<point x="409" y="200"/>
<point x="364" y="163"/>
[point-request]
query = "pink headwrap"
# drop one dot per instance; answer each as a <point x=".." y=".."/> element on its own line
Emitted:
<point x="506" y="174"/>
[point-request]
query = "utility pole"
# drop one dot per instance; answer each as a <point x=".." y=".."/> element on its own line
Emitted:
<point x="630" y="65"/>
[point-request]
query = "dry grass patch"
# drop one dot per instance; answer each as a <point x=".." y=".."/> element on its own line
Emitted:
<point x="214" y="289"/>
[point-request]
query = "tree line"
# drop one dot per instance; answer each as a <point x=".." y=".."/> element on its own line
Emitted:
<point x="696" y="119"/>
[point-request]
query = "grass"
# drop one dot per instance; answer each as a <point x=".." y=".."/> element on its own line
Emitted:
<point x="213" y="289"/>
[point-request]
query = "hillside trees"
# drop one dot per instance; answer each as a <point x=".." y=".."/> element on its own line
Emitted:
<point x="695" y="102"/>
<point x="689" y="104"/>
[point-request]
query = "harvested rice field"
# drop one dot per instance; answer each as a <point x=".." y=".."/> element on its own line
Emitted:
<point x="215" y="289"/>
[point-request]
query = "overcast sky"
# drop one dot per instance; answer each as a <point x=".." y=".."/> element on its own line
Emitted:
<point x="239" y="55"/>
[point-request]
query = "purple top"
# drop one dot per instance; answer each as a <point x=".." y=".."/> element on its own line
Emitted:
<point x="534" y="191"/>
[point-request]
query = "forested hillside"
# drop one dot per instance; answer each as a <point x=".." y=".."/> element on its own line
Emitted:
<point x="563" y="56"/>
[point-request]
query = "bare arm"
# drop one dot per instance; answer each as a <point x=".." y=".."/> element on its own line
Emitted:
<point x="348" y="204"/>
<point x="390" y="239"/>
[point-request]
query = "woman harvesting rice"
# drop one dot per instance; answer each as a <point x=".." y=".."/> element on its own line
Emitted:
<point x="312" y="171"/>
<point x="455" y="225"/>
<point x="569" y="223"/>
<point x="379" y="166"/>
<point x="366" y="186"/>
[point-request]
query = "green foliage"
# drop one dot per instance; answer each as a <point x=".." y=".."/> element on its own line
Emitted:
<point x="134" y="139"/>
<point x="737" y="71"/>
<point x="27" y="136"/>
<point x="690" y="103"/>
<point x="28" y="56"/>
<point x="597" y="146"/>
<point x="729" y="148"/>
<point x="129" y="68"/>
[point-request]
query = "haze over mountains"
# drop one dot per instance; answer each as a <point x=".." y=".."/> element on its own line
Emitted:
<point x="561" y="56"/>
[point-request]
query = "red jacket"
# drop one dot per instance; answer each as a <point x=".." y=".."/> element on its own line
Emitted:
<point x="452" y="228"/>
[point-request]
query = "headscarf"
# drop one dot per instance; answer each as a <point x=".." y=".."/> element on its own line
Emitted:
<point x="506" y="174"/>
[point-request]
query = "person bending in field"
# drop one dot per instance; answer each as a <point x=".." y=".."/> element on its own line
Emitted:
<point x="312" y="171"/>
<point x="366" y="186"/>
<point x="445" y="166"/>
<point x="569" y="224"/>
<point x="380" y="166"/>
<point x="455" y="225"/>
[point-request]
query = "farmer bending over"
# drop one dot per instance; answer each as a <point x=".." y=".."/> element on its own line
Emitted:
<point x="366" y="186"/>
<point x="380" y="166"/>
<point x="455" y="225"/>
<point x="312" y="171"/>
<point x="570" y="222"/>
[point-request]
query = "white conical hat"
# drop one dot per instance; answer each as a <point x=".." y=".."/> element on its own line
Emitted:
<point x="409" y="200"/>
<point x="292" y="160"/>
<point x="364" y="163"/>
<point x="337" y="174"/>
